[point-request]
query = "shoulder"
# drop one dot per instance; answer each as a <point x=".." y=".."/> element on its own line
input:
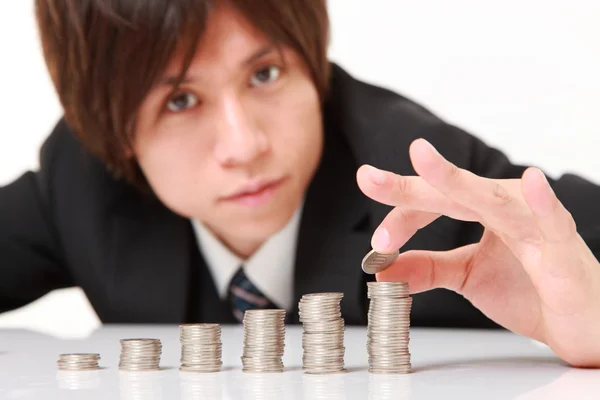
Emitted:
<point x="374" y="102"/>
<point x="380" y="124"/>
<point x="69" y="176"/>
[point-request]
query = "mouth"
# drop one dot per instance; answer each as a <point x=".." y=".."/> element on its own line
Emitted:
<point x="255" y="193"/>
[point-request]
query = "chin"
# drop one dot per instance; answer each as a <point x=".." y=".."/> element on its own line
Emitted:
<point x="265" y="226"/>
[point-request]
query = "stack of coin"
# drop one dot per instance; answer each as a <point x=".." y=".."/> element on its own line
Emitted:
<point x="323" y="336"/>
<point x="264" y="340"/>
<point x="201" y="347"/>
<point x="388" y="329"/>
<point x="140" y="354"/>
<point x="78" y="362"/>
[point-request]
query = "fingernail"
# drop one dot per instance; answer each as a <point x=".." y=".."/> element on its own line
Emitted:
<point x="381" y="239"/>
<point x="377" y="176"/>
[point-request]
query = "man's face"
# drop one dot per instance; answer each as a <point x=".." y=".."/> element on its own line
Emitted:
<point x="237" y="146"/>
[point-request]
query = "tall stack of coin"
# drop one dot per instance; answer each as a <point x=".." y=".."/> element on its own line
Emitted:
<point x="264" y="340"/>
<point x="388" y="329"/>
<point x="323" y="336"/>
<point x="201" y="347"/>
<point x="140" y="354"/>
<point x="78" y="362"/>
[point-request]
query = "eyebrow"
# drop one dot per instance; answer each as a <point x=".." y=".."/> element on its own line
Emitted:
<point x="263" y="51"/>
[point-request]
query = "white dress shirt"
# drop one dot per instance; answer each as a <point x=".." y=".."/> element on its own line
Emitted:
<point x="270" y="268"/>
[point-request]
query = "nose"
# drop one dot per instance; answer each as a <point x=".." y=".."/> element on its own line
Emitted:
<point x="239" y="139"/>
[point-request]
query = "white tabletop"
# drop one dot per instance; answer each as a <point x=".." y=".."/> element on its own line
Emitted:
<point x="447" y="364"/>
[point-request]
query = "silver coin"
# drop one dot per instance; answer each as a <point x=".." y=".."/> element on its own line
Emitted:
<point x="324" y="356"/>
<point x="375" y="262"/>
<point x="201" y="347"/>
<point x="389" y="327"/>
<point x="388" y="290"/>
<point x="323" y="336"/>
<point x="78" y="362"/>
<point x="264" y="341"/>
<point x="399" y="370"/>
<point x="335" y="325"/>
<point x="140" y="354"/>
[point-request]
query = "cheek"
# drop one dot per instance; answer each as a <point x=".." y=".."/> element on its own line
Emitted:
<point x="176" y="168"/>
<point x="295" y="128"/>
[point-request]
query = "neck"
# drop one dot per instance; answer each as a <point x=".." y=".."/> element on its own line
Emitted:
<point x="241" y="248"/>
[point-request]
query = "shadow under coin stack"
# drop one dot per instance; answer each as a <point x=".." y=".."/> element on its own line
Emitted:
<point x="140" y="354"/>
<point x="264" y="340"/>
<point x="78" y="362"/>
<point x="323" y="336"/>
<point x="201" y="347"/>
<point x="389" y="326"/>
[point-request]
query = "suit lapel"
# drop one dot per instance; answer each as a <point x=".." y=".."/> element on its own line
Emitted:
<point x="149" y="263"/>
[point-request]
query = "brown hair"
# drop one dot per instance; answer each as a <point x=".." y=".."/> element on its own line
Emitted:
<point x="104" y="56"/>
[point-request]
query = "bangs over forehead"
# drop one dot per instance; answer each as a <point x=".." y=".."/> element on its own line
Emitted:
<point x="104" y="56"/>
<point x="148" y="33"/>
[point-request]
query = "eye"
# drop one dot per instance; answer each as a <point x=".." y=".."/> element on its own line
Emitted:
<point x="265" y="75"/>
<point x="181" y="102"/>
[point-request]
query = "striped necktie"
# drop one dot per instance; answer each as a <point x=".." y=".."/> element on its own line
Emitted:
<point x="243" y="295"/>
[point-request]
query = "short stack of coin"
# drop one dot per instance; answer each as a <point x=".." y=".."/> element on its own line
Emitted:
<point x="388" y="329"/>
<point x="323" y="336"/>
<point x="140" y="354"/>
<point x="78" y="362"/>
<point x="264" y="340"/>
<point x="201" y="347"/>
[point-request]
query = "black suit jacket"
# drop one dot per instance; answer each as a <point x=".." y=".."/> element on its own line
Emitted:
<point x="72" y="224"/>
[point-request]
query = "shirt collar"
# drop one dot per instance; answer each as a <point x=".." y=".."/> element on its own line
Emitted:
<point x="270" y="268"/>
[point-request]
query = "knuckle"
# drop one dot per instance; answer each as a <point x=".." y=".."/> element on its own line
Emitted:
<point x="500" y="194"/>
<point x="570" y="225"/>
<point x="453" y="172"/>
<point x="402" y="215"/>
<point x="432" y="275"/>
<point x="403" y="184"/>
<point x="530" y="234"/>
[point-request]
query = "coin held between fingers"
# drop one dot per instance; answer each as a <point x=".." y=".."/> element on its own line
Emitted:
<point x="375" y="262"/>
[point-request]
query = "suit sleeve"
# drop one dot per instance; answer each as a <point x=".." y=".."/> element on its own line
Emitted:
<point x="31" y="262"/>
<point x="580" y="196"/>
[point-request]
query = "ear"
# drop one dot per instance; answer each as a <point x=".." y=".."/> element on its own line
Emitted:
<point x="128" y="152"/>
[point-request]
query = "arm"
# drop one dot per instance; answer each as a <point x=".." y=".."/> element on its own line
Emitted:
<point x="532" y="271"/>
<point x="31" y="263"/>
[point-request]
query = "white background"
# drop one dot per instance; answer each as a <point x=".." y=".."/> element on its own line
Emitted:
<point x="523" y="75"/>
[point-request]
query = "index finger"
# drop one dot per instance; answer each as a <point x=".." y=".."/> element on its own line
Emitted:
<point x="410" y="192"/>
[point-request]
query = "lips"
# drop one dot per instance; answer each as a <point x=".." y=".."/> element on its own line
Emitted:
<point x="254" y="188"/>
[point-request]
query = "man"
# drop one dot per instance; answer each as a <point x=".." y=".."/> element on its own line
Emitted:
<point x="212" y="160"/>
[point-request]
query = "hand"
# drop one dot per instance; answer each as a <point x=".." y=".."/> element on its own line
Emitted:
<point x="531" y="272"/>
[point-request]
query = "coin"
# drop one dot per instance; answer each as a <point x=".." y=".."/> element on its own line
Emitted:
<point x="201" y="347"/>
<point x="389" y="327"/>
<point x="78" y="362"/>
<point x="375" y="262"/>
<point x="323" y="336"/>
<point x="140" y="354"/>
<point x="264" y="340"/>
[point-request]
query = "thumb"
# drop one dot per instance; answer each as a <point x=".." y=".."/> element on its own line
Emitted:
<point x="426" y="270"/>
